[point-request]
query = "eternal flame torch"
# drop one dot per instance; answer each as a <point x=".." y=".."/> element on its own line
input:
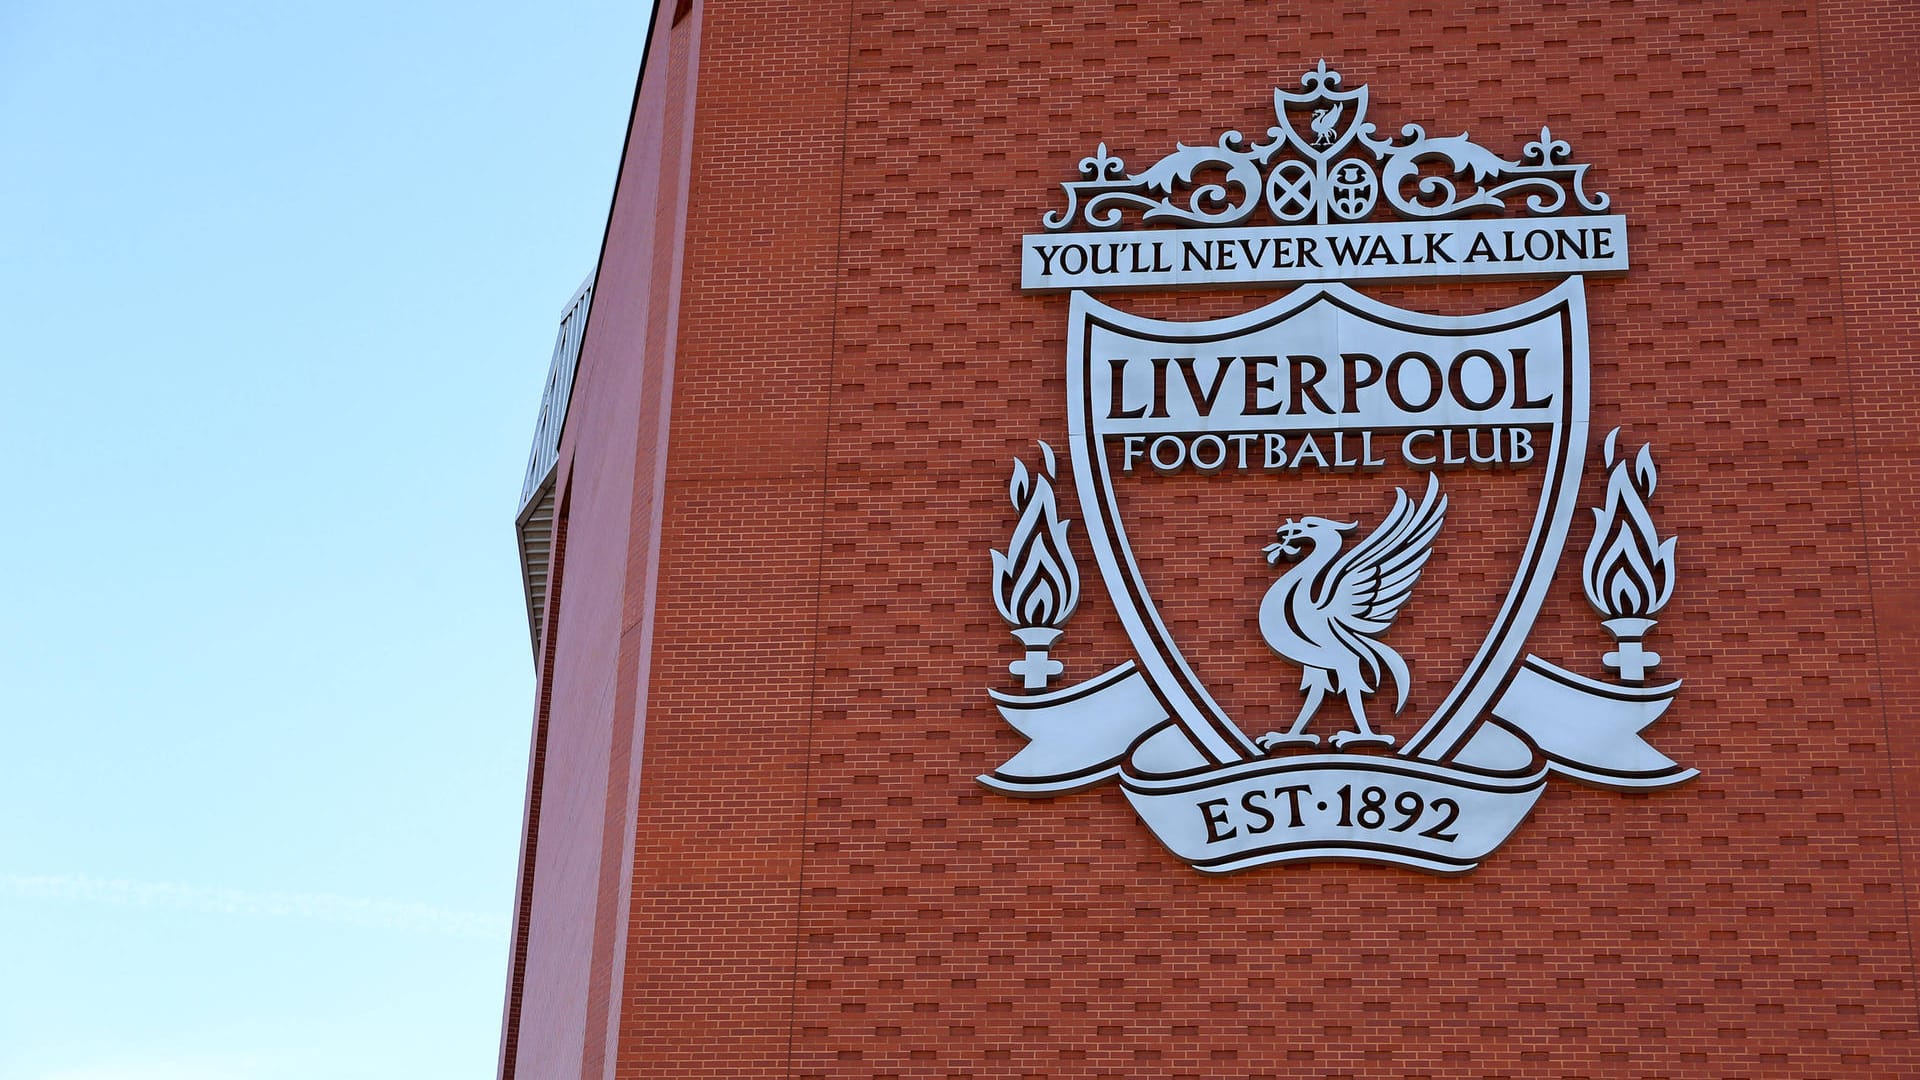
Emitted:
<point x="1035" y="584"/>
<point x="1629" y="569"/>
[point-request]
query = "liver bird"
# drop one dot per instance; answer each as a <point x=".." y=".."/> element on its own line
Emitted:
<point x="1327" y="613"/>
<point x="1326" y="122"/>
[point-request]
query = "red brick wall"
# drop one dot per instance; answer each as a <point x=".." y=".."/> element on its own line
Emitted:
<point x="1870" y="57"/>
<point x="819" y="888"/>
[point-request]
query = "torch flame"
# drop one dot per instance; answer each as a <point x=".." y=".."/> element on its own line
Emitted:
<point x="1036" y="582"/>
<point x="1629" y="569"/>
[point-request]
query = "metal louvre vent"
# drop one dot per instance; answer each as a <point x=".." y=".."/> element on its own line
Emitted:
<point x="536" y="558"/>
<point x="553" y="400"/>
<point x="535" y="519"/>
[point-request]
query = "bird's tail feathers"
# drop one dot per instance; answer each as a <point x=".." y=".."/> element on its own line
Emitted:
<point x="1400" y="675"/>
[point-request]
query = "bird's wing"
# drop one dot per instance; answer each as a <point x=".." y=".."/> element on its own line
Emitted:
<point x="1371" y="583"/>
<point x="1331" y="119"/>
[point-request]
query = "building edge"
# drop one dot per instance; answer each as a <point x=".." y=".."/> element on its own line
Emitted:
<point x="541" y="622"/>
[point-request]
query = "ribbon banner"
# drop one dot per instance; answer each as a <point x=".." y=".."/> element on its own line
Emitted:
<point x="1439" y="816"/>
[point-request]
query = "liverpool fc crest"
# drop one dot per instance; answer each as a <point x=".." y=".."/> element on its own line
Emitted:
<point x="1358" y="686"/>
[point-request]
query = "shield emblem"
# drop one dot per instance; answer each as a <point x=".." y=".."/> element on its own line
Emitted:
<point x="1325" y="408"/>
<point x="1323" y="121"/>
<point x="1326" y="381"/>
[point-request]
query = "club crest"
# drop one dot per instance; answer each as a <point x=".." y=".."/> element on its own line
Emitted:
<point x="1331" y="672"/>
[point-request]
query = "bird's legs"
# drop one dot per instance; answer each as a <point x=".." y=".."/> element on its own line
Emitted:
<point x="1362" y="735"/>
<point x="1297" y="734"/>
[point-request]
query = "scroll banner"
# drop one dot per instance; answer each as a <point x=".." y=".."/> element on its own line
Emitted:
<point x="1440" y="815"/>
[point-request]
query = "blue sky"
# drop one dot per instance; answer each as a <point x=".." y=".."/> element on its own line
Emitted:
<point x="278" y="286"/>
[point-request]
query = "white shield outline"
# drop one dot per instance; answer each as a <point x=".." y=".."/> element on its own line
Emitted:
<point x="1322" y="92"/>
<point x="1178" y="690"/>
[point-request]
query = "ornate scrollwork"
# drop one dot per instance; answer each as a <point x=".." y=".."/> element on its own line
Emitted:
<point x="1323" y="164"/>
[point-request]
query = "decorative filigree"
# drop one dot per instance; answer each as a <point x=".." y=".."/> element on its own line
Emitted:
<point x="1334" y="171"/>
